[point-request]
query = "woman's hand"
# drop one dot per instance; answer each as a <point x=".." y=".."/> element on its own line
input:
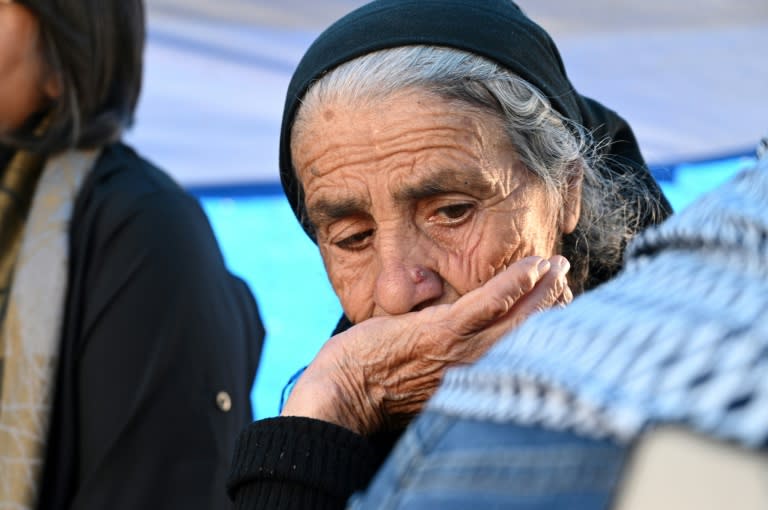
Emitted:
<point x="380" y="373"/>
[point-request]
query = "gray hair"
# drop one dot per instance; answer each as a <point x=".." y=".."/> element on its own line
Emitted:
<point x="552" y="147"/>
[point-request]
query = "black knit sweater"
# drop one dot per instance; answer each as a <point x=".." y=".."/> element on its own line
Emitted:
<point x="291" y="463"/>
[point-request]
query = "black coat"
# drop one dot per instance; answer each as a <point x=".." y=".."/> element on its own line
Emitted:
<point x="156" y="335"/>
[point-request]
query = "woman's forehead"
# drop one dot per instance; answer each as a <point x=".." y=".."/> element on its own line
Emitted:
<point x="378" y="117"/>
<point x="403" y="100"/>
<point x="412" y="128"/>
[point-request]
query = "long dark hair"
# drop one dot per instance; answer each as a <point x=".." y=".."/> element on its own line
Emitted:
<point x="95" y="48"/>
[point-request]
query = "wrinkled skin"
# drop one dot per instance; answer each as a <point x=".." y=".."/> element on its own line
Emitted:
<point x="437" y="241"/>
<point x="25" y="85"/>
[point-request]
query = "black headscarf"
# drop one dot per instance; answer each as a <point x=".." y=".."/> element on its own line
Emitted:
<point x="494" y="29"/>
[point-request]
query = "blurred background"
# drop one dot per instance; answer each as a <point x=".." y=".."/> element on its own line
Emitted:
<point x="690" y="76"/>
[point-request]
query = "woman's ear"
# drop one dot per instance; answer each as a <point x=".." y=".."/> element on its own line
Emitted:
<point x="571" y="211"/>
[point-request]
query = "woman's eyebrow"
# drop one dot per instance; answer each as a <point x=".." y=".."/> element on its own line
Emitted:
<point x="326" y="210"/>
<point x="446" y="181"/>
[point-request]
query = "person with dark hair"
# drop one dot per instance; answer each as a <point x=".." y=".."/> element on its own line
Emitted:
<point x="455" y="184"/>
<point x="127" y="349"/>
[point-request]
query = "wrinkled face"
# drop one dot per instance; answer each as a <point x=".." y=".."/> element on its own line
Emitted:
<point x="417" y="200"/>
<point x="22" y="76"/>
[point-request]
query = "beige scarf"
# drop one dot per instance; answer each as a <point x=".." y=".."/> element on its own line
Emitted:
<point x="30" y="331"/>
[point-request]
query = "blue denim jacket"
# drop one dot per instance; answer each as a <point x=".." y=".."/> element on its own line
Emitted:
<point x="446" y="463"/>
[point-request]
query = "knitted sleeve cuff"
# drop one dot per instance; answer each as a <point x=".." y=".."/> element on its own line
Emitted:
<point x="295" y="455"/>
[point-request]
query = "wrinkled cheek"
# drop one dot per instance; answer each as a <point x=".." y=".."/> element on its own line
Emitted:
<point x="463" y="268"/>
<point x="475" y="269"/>
<point x="353" y="285"/>
<point x="484" y="256"/>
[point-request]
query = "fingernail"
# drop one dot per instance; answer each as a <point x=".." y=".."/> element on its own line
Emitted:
<point x="543" y="266"/>
<point x="563" y="265"/>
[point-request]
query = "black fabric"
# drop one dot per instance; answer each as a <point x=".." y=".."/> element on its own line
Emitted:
<point x="155" y="327"/>
<point x="341" y="326"/>
<point x="5" y="157"/>
<point x="300" y="463"/>
<point x="295" y="463"/>
<point x="495" y="29"/>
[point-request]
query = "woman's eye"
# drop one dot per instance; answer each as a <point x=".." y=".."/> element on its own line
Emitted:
<point x="356" y="241"/>
<point x="453" y="213"/>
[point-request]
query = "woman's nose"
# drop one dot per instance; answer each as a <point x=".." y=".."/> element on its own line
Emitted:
<point x="403" y="286"/>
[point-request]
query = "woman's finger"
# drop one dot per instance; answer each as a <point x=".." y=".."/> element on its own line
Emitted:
<point x="494" y="300"/>
<point x="566" y="297"/>
<point x="547" y="293"/>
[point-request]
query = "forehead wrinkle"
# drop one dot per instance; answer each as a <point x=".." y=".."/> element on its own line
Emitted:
<point x="333" y="158"/>
<point x="454" y="130"/>
<point x="437" y="137"/>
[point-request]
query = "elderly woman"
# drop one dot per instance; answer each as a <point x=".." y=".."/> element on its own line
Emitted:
<point x="450" y="175"/>
<point x="127" y="350"/>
